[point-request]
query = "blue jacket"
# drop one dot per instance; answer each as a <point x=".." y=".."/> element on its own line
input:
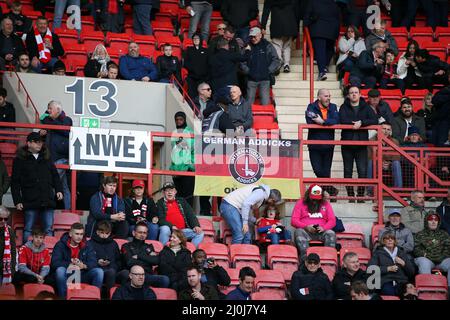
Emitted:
<point x="61" y="256"/>
<point x="58" y="140"/>
<point x="96" y="214"/>
<point x="238" y="294"/>
<point x="322" y="134"/>
<point x="136" y="68"/>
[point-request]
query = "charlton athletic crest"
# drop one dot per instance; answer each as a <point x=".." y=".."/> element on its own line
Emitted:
<point x="246" y="165"/>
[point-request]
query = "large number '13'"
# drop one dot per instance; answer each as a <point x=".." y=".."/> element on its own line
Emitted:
<point x="77" y="89"/>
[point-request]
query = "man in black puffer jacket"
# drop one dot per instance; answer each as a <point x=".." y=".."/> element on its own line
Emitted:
<point x="310" y="282"/>
<point x="344" y="278"/>
<point x="135" y="289"/>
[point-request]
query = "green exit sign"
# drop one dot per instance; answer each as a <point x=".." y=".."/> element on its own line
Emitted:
<point x="89" y="122"/>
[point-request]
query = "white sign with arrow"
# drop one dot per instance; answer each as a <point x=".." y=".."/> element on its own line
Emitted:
<point x="109" y="150"/>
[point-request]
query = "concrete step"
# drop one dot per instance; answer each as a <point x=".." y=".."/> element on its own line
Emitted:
<point x="295" y="84"/>
<point x="301" y="92"/>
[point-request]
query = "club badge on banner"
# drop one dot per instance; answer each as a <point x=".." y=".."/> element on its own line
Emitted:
<point x="224" y="164"/>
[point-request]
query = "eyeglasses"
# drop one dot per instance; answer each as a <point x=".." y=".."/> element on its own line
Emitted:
<point x="312" y="262"/>
<point x="3" y="219"/>
<point x="138" y="274"/>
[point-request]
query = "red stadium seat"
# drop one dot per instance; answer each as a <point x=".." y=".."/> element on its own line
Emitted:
<point x="399" y="33"/>
<point x="443" y="35"/>
<point x="218" y="251"/>
<point x="375" y="231"/>
<point x="243" y="255"/>
<point x="436" y="49"/>
<point x="225" y="232"/>
<point x="121" y="242"/>
<point x="91" y="39"/>
<point x="208" y="229"/>
<point x="267" y="295"/>
<point x="328" y="259"/>
<point x="352" y="237"/>
<point x="112" y="290"/>
<point x="169" y="6"/>
<point x="270" y="281"/>
<point x="158" y="246"/>
<point x="390" y="298"/>
<point x="31" y="290"/>
<point x="7" y="292"/>
<point x="416" y="97"/>
<point x="118" y="41"/>
<point x="83" y="291"/>
<point x="50" y="243"/>
<point x="165" y="293"/>
<point x="283" y="258"/>
<point x="263" y="109"/>
<point x="234" y="280"/>
<point x="431" y="287"/>
<point x="364" y="255"/>
<point x="421" y="34"/>
<point x="17" y="220"/>
<point x="190" y="246"/>
<point x="68" y="37"/>
<point x="63" y="221"/>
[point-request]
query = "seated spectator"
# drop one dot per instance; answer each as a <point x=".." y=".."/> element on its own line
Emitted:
<point x="106" y="205"/>
<point x="7" y="110"/>
<point x="240" y="111"/>
<point x="427" y="114"/>
<point x="11" y="45"/>
<point x="113" y="71"/>
<point x="390" y="75"/>
<point x="432" y="246"/>
<point x="34" y="260"/>
<point x="176" y="214"/>
<point x="396" y="267"/>
<point x="413" y="139"/>
<point x="200" y="12"/>
<point x="246" y="282"/>
<point x="175" y="259"/>
<point x="43" y="46"/>
<point x="168" y="65"/>
<point x="380" y="107"/>
<point x="313" y="219"/>
<point x="73" y="254"/>
<point x="444" y="213"/>
<point x="60" y="9"/>
<point x="109" y="15"/>
<point x="310" y="282"/>
<point x="137" y="252"/>
<point x="405" y="119"/>
<point x="22" y="24"/>
<point x="413" y="215"/>
<point x="24" y="64"/>
<point x="107" y="253"/>
<point x="97" y="66"/>
<point x="216" y="118"/>
<point x="441" y="115"/>
<point x="211" y="273"/>
<point x="369" y="68"/>
<point x="139" y="207"/>
<point x="197" y="290"/>
<point x="203" y="100"/>
<point x="59" y="68"/>
<point x="8" y="249"/>
<point x="432" y="68"/>
<point x="360" y="292"/>
<point x="136" y="67"/>
<point x="380" y="33"/>
<point x="351" y="44"/>
<point x="270" y="227"/>
<point x="408" y="292"/>
<point x="195" y="60"/>
<point x="349" y="274"/>
<point x="403" y="235"/>
<point x="407" y="68"/>
<point x="135" y="289"/>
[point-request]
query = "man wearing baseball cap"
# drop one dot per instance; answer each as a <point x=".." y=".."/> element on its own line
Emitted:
<point x="404" y="236"/>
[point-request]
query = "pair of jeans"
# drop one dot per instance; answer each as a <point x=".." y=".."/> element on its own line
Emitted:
<point x="203" y="12"/>
<point x="60" y="7"/>
<point x="153" y="230"/>
<point x="323" y="52"/>
<point x="425" y="265"/>
<point x="141" y="19"/>
<point x="46" y="218"/>
<point x="165" y="232"/>
<point x="63" y="177"/>
<point x="264" y="91"/>
<point x="396" y="173"/>
<point x="93" y="277"/>
<point x="321" y="161"/>
<point x="233" y="218"/>
<point x="153" y="280"/>
<point x="360" y="156"/>
<point x="276" y="237"/>
<point x="49" y="66"/>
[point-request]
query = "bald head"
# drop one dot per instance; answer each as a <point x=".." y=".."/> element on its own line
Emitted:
<point x="235" y="94"/>
<point x="324" y="97"/>
<point x="137" y="276"/>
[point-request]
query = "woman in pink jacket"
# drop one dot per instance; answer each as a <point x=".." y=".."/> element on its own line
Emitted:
<point x="313" y="218"/>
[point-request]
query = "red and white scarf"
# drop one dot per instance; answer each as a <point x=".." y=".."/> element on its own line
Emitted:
<point x="44" y="53"/>
<point x="7" y="275"/>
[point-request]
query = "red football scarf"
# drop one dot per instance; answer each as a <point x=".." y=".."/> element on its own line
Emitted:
<point x="44" y="54"/>
<point x="7" y="276"/>
<point x="113" y="8"/>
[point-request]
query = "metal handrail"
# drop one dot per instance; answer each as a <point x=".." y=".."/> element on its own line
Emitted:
<point x="307" y="44"/>
<point x="186" y="95"/>
<point x="28" y="98"/>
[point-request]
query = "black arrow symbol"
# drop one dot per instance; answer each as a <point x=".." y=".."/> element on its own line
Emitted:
<point x="85" y="162"/>
<point x="139" y="165"/>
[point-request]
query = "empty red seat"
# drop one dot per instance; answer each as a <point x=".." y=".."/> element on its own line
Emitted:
<point x="121" y="242"/>
<point x="190" y="246"/>
<point x="165" y="293"/>
<point x="63" y="221"/>
<point x="364" y="255"/>
<point x="399" y="33"/>
<point x="328" y="259"/>
<point x="218" y="251"/>
<point x="17" y="220"/>
<point x="375" y="231"/>
<point x="82" y="291"/>
<point x="353" y="236"/>
<point x="234" y="280"/>
<point x="436" y="48"/>
<point x="431" y="287"/>
<point x="270" y="281"/>
<point x="263" y="109"/>
<point x="7" y="292"/>
<point x="91" y="39"/>
<point x="31" y="290"/>
<point x="390" y="298"/>
<point x="243" y="255"/>
<point x="443" y="35"/>
<point x="169" y="6"/>
<point x="421" y="34"/>
<point x="208" y="229"/>
<point x="158" y="246"/>
<point x="68" y="37"/>
<point x="267" y="295"/>
<point x="283" y="258"/>
<point x="50" y="243"/>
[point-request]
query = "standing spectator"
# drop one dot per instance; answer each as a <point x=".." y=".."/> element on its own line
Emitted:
<point x="441" y="115"/>
<point x="7" y="248"/>
<point x="284" y="26"/>
<point x="7" y="110"/>
<point x="60" y="7"/>
<point x="322" y="19"/>
<point x="109" y="15"/>
<point x="355" y="112"/>
<point x="413" y="215"/>
<point x="136" y="67"/>
<point x="240" y="111"/>
<point x="34" y="183"/>
<point x="370" y="66"/>
<point x="313" y="219"/>
<point x="175" y="259"/>
<point x="196" y="62"/>
<point x="444" y="212"/>
<point x="97" y="66"/>
<point x="390" y="75"/>
<point x="107" y="253"/>
<point x="220" y="31"/>
<point x="322" y="112"/>
<point x="351" y="44"/>
<point x="441" y="13"/>
<point x="135" y="288"/>
<point x="11" y="45"/>
<point x="310" y="282"/>
<point x="22" y="24"/>
<point x="5" y="180"/>
<point x="411" y="10"/>
<point x="379" y="33"/>
<point x="183" y="158"/>
<point x="203" y="100"/>
<point x="34" y="260"/>
<point x="397" y="12"/>
<point x="176" y="214"/>
<point x="139" y="253"/>
<point x="262" y="63"/>
<point x="270" y="227"/>
<point x="24" y="64"/>
<point x="407" y="68"/>
<point x="200" y="11"/>
<point x="197" y="290"/>
<point x="43" y="46"/>
<point x="141" y="16"/>
<point x="168" y="65"/>
<point x="229" y="34"/>
<point x="246" y="282"/>
<point x="139" y="207"/>
<point x="433" y="69"/>
<point x="427" y="114"/>
<point x="349" y="274"/>
<point x="379" y="106"/>
<point x="432" y="246"/>
<point x="236" y="208"/>
<point x="58" y="143"/>
<point x="360" y="292"/>
<point x="403" y="235"/>
<point x="405" y="120"/>
<point x="106" y="205"/>
<point x="73" y="254"/>
<point x="238" y="14"/>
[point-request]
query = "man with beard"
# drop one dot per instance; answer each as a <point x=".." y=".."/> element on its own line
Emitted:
<point x="136" y="67"/>
<point x="406" y="119"/>
<point x="23" y="64"/>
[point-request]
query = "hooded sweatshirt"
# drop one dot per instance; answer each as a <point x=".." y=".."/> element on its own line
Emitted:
<point x="107" y="249"/>
<point x="432" y="244"/>
<point x="34" y="261"/>
<point x="301" y="217"/>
